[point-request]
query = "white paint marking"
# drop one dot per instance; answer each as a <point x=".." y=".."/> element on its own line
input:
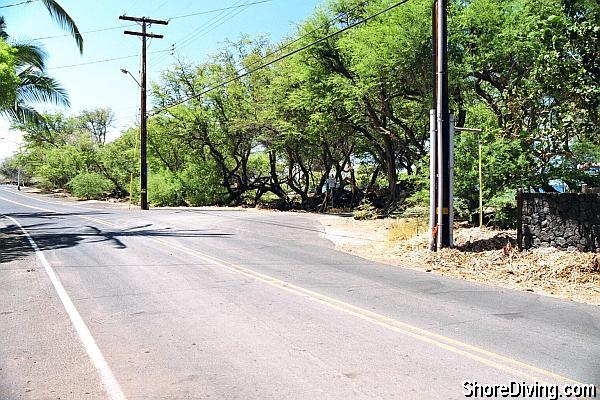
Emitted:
<point x="108" y="379"/>
<point x="28" y="206"/>
<point x="57" y="202"/>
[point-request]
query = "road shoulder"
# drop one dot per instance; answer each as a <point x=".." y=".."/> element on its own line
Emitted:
<point x="567" y="275"/>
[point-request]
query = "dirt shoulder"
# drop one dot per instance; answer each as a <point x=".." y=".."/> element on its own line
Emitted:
<point x="480" y="255"/>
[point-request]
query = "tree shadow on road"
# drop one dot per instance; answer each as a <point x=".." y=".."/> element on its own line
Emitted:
<point x="14" y="245"/>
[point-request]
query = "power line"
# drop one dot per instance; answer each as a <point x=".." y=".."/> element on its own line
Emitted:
<point x="160" y="59"/>
<point x="185" y="39"/>
<point x="91" y="31"/>
<point x="218" y="9"/>
<point x="289" y="44"/>
<point x="106" y="60"/>
<point x="18" y="4"/>
<point x="291" y="53"/>
<point x="207" y="29"/>
<point x="203" y="31"/>
<point x="130" y="25"/>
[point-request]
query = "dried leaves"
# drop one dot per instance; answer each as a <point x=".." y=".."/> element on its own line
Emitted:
<point x="490" y="256"/>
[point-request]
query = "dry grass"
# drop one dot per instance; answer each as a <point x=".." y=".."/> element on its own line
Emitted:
<point x="490" y="256"/>
<point x="482" y="255"/>
<point x="406" y="228"/>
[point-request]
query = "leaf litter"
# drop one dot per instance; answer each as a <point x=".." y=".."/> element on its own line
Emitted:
<point x="484" y="255"/>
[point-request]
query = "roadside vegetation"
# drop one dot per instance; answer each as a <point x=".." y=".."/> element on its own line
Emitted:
<point x="354" y="108"/>
<point x="487" y="255"/>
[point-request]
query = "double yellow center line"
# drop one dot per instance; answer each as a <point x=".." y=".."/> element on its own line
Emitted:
<point x="489" y="358"/>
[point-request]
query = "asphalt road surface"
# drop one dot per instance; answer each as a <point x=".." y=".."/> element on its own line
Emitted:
<point x="102" y="302"/>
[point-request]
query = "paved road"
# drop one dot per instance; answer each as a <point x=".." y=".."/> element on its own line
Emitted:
<point x="218" y="304"/>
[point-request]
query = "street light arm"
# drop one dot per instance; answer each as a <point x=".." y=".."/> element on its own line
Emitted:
<point x="123" y="70"/>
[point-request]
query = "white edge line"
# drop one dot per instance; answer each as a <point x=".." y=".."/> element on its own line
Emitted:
<point x="59" y="203"/>
<point x="108" y="379"/>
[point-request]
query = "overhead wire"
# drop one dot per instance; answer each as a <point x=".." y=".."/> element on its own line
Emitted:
<point x="213" y="22"/>
<point x="217" y="22"/>
<point x="219" y="9"/>
<point x="300" y="38"/>
<point x="291" y="53"/>
<point x="288" y="44"/>
<point x="221" y="12"/>
<point x="18" y="4"/>
<point x="131" y="25"/>
<point x="105" y="60"/>
<point x="90" y="31"/>
<point x="205" y="31"/>
<point x="155" y="60"/>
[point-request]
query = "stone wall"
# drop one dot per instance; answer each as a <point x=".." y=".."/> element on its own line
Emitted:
<point x="569" y="221"/>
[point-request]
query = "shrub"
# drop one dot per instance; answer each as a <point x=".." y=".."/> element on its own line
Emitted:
<point x="201" y="185"/>
<point x="365" y="210"/>
<point x="90" y="185"/>
<point x="165" y="189"/>
<point x="505" y="210"/>
<point x="461" y="209"/>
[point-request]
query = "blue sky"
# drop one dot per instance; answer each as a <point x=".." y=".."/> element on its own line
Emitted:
<point x="101" y="84"/>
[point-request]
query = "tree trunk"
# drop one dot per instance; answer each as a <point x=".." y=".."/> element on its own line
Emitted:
<point x="390" y="163"/>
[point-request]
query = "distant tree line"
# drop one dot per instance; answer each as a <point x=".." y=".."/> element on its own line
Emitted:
<point x="355" y="107"/>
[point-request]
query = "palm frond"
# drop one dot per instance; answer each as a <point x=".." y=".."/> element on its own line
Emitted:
<point x="64" y="20"/>
<point x="24" y="114"/>
<point x="30" y="55"/>
<point x="36" y="87"/>
<point x="3" y="34"/>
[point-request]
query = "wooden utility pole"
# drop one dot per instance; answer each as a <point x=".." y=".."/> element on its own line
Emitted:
<point x="143" y="128"/>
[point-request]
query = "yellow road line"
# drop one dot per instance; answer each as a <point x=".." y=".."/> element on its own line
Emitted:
<point x="455" y="346"/>
<point x="486" y="357"/>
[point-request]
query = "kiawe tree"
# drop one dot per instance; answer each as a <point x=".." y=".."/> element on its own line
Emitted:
<point x="535" y="66"/>
<point x="97" y="122"/>
<point x="9" y="80"/>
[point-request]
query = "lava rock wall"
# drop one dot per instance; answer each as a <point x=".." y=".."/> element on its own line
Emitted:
<point x="567" y="221"/>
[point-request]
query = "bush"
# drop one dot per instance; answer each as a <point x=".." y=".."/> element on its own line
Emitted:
<point x="365" y="210"/>
<point x="165" y="189"/>
<point x="90" y="185"/>
<point x="201" y="185"/>
<point x="461" y="209"/>
<point x="505" y="210"/>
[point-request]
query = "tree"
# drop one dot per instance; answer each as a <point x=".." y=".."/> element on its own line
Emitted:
<point x="97" y="122"/>
<point x="535" y="66"/>
<point x="8" y="77"/>
<point x="33" y="84"/>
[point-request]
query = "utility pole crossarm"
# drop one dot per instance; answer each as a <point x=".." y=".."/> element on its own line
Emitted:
<point x="150" y="35"/>
<point x="144" y="20"/>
